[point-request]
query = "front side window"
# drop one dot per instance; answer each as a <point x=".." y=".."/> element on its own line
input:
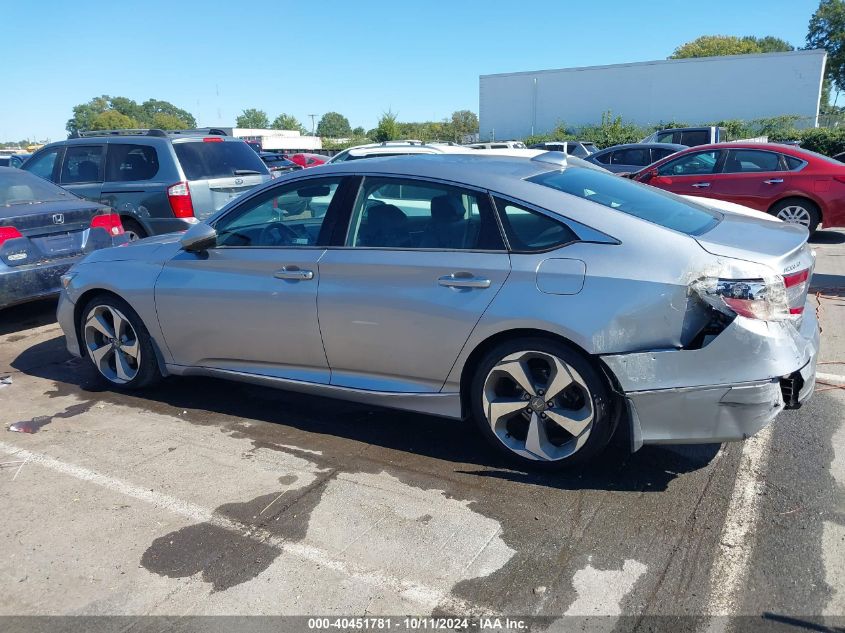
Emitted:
<point x="397" y="213"/>
<point x="659" y="153"/>
<point x="626" y="196"/>
<point x="287" y="216"/>
<point x="665" y="137"/>
<point x="741" y="161"/>
<point x="130" y="162"/>
<point x="695" y="137"/>
<point x="695" y="164"/>
<point x="82" y="163"/>
<point x="530" y="231"/>
<point x="42" y="165"/>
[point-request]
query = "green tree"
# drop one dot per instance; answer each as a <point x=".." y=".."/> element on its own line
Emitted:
<point x="827" y="31"/>
<point x="252" y="118"/>
<point x="165" y="121"/>
<point x="287" y="122"/>
<point x="387" y="128"/>
<point x="153" y="107"/>
<point x="144" y="115"/>
<point x="463" y="123"/>
<point x="359" y="131"/>
<point x="113" y="120"/>
<point x="334" y="125"/>
<point x="715" y="45"/>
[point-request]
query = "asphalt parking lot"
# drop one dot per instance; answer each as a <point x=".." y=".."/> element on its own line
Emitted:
<point x="204" y="497"/>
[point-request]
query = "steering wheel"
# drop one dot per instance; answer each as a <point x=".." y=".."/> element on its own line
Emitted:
<point x="277" y="234"/>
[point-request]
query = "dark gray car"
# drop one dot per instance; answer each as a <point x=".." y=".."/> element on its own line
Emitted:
<point x="632" y="157"/>
<point x="157" y="181"/>
<point x="43" y="231"/>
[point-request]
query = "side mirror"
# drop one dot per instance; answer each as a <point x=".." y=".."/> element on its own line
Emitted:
<point x="652" y="173"/>
<point x="199" y="238"/>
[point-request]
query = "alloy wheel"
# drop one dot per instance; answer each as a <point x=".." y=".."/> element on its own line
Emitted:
<point x="795" y="214"/>
<point x="538" y="406"/>
<point x="112" y="344"/>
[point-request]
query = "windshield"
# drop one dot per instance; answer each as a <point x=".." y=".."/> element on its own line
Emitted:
<point x="220" y="159"/>
<point x="21" y="187"/>
<point x="641" y="201"/>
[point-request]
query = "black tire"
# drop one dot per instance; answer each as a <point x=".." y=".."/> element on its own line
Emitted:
<point x="604" y="419"/>
<point x="133" y="227"/>
<point x="813" y="212"/>
<point x="145" y="371"/>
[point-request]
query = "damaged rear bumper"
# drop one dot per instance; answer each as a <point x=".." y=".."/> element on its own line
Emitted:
<point x="727" y="390"/>
<point x="25" y="283"/>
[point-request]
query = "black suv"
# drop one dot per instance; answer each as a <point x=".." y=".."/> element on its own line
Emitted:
<point x="157" y="181"/>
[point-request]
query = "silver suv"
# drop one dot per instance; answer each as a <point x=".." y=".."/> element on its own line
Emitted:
<point x="157" y="181"/>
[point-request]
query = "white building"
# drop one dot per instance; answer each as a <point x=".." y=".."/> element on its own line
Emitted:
<point x="271" y="140"/>
<point x="696" y="90"/>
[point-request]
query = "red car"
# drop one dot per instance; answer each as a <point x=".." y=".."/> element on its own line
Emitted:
<point x="308" y="160"/>
<point x="788" y="182"/>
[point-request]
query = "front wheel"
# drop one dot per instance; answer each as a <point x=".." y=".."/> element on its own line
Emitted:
<point x="541" y="403"/>
<point x="117" y="343"/>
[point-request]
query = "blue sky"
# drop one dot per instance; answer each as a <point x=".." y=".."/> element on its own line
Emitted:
<point x="419" y="59"/>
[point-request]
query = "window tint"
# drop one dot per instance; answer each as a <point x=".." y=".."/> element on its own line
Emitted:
<point x="605" y="158"/>
<point x="631" y="156"/>
<point x="665" y="137"/>
<point x="696" y="137"/>
<point x="657" y="153"/>
<point x="751" y="160"/>
<point x="793" y="163"/>
<point x="691" y="164"/>
<point x="529" y="230"/>
<point x="626" y="196"/>
<point x="395" y="213"/>
<point x="286" y="216"/>
<point x="42" y="165"/>
<point x="219" y="159"/>
<point x="82" y="163"/>
<point x="126" y="162"/>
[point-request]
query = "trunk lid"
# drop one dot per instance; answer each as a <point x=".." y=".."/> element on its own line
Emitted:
<point x="781" y="246"/>
<point x="50" y="230"/>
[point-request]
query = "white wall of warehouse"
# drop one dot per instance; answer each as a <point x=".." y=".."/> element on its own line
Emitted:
<point x="700" y="90"/>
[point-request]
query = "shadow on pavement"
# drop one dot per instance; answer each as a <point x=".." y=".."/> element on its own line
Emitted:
<point x="27" y="315"/>
<point x="828" y="237"/>
<point x="328" y="425"/>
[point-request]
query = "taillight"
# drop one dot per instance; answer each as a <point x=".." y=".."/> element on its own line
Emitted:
<point x="108" y="221"/>
<point x="8" y="233"/>
<point x="796" y="285"/>
<point x="179" y="196"/>
<point x="212" y="139"/>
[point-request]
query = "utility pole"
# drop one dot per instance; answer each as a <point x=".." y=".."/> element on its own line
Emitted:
<point x="313" y="116"/>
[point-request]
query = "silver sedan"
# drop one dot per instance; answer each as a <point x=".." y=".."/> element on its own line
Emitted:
<point x="552" y="302"/>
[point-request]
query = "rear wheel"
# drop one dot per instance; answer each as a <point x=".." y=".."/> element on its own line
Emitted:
<point x="541" y="403"/>
<point x="134" y="231"/>
<point x="798" y="211"/>
<point x="117" y="343"/>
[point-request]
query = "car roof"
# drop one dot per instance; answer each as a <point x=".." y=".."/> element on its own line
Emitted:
<point x="675" y="146"/>
<point x="475" y="169"/>
<point x="772" y="147"/>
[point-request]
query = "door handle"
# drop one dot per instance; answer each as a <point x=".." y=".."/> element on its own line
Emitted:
<point x="699" y="185"/>
<point x="463" y="280"/>
<point x="292" y="272"/>
<point x="773" y="181"/>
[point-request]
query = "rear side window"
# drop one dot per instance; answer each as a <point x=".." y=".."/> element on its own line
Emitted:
<point x="696" y="137"/>
<point x="632" y="156"/>
<point x="641" y="201"/>
<point x="83" y="163"/>
<point x="604" y="159"/>
<point x="127" y="163"/>
<point x="742" y="161"/>
<point x="529" y="231"/>
<point x="202" y="160"/>
<point x="793" y="163"/>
